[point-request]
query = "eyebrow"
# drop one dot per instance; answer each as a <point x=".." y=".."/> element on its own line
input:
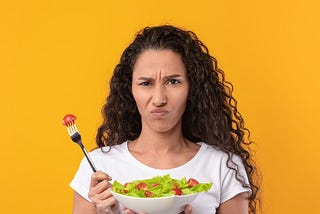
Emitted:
<point x="165" y="77"/>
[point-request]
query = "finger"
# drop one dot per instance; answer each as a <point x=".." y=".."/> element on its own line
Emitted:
<point x="99" y="176"/>
<point x="98" y="195"/>
<point x="106" y="194"/>
<point x="187" y="209"/>
<point x="107" y="203"/>
<point x="127" y="211"/>
<point x="101" y="191"/>
<point x="95" y="191"/>
<point x="102" y="186"/>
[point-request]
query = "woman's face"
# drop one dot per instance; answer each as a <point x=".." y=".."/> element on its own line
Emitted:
<point x="160" y="88"/>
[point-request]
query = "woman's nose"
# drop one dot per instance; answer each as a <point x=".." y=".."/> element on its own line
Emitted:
<point x="159" y="97"/>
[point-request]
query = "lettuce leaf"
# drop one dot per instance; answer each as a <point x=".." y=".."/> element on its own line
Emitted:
<point x="159" y="186"/>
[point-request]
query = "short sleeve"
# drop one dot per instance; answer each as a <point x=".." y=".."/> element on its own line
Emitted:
<point x="230" y="186"/>
<point x="81" y="181"/>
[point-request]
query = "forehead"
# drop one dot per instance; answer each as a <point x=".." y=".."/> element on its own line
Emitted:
<point x="150" y="62"/>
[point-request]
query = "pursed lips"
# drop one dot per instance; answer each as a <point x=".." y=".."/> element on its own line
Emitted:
<point x="158" y="112"/>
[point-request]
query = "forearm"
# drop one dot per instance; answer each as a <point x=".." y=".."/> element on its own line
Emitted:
<point x="82" y="206"/>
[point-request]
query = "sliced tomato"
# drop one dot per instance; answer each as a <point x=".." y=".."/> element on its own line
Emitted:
<point x="148" y="194"/>
<point x="177" y="191"/>
<point x="142" y="186"/>
<point x="124" y="191"/>
<point x="155" y="184"/>
<point x="192" y="182"/>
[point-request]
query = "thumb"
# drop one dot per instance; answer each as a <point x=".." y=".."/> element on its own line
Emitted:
<point x="187" y="209"/>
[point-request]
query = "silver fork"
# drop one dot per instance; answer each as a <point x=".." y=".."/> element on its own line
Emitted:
<point x="76" y="137"/>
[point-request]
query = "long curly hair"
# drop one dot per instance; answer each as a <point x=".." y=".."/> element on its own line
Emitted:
<point x="211" y="113"/>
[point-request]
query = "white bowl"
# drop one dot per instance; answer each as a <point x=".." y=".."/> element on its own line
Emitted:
<point x="163" y="205"/>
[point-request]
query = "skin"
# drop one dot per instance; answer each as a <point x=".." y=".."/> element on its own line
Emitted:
<point x="160" y="88"/>
<point x="236" y="205"/>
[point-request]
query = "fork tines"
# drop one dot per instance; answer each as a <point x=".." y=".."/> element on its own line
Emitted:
<point x="73" y="132"/>
<point x="72" y="128"/>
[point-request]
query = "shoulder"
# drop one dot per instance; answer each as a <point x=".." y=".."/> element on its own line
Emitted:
<point x="212" y="151"/>
<point x="215" y="154"/>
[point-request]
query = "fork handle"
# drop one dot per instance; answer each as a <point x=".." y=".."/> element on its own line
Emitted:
<point x="87" y="156"/>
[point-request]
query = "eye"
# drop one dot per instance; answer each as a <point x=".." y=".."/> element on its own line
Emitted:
<point x="144" y="83"/>
<point x="173" y="82"/>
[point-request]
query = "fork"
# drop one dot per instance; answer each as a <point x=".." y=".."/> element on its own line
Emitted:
<point x="69" y="122"/>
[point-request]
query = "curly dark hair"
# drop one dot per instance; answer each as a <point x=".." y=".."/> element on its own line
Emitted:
<point x="211" y="113"/>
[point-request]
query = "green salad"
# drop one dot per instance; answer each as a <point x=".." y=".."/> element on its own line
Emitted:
<point x="160" y="186"/>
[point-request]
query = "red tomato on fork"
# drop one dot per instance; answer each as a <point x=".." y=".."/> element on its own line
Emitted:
<point x="68" y="120"/>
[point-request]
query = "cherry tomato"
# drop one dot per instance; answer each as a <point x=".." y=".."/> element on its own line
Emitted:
<point x="68" y="119"/>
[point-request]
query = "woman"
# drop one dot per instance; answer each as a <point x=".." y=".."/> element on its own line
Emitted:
<point x="170" y="111"/>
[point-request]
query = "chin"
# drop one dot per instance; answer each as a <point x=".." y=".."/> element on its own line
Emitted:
<point x="163" y="127"/>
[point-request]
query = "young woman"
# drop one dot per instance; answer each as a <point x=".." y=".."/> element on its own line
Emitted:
<point x="170" y="111"/>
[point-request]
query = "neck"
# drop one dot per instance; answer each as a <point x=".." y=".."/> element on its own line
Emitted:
<point x="173" y="149"/>
<point x="160" y="142"/>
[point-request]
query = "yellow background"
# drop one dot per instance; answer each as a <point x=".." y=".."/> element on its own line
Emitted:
<point x="56" y="57"/>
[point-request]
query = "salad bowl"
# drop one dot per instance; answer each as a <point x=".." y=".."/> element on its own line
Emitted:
<point x="158" y="195"/>
<point x="163" y="205"/>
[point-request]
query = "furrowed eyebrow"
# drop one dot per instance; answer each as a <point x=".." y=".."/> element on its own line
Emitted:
<point x="145" y="78"/>
<point x="172" y="76"/>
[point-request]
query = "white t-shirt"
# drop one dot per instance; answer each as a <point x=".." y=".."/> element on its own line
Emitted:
<point x="208" y="165"/>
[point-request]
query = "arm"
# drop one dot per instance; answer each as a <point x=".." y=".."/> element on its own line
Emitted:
<point x="82" y="205"/>
<point x="236" y="205"/>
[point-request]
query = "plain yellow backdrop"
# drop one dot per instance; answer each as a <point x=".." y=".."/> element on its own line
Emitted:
<point x="56" y="57"/>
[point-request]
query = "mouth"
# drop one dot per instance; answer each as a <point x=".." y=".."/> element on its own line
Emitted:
<point x="159" y="112"/>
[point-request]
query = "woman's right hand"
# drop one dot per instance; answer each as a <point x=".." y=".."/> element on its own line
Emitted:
<point x="100" y="195"/>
